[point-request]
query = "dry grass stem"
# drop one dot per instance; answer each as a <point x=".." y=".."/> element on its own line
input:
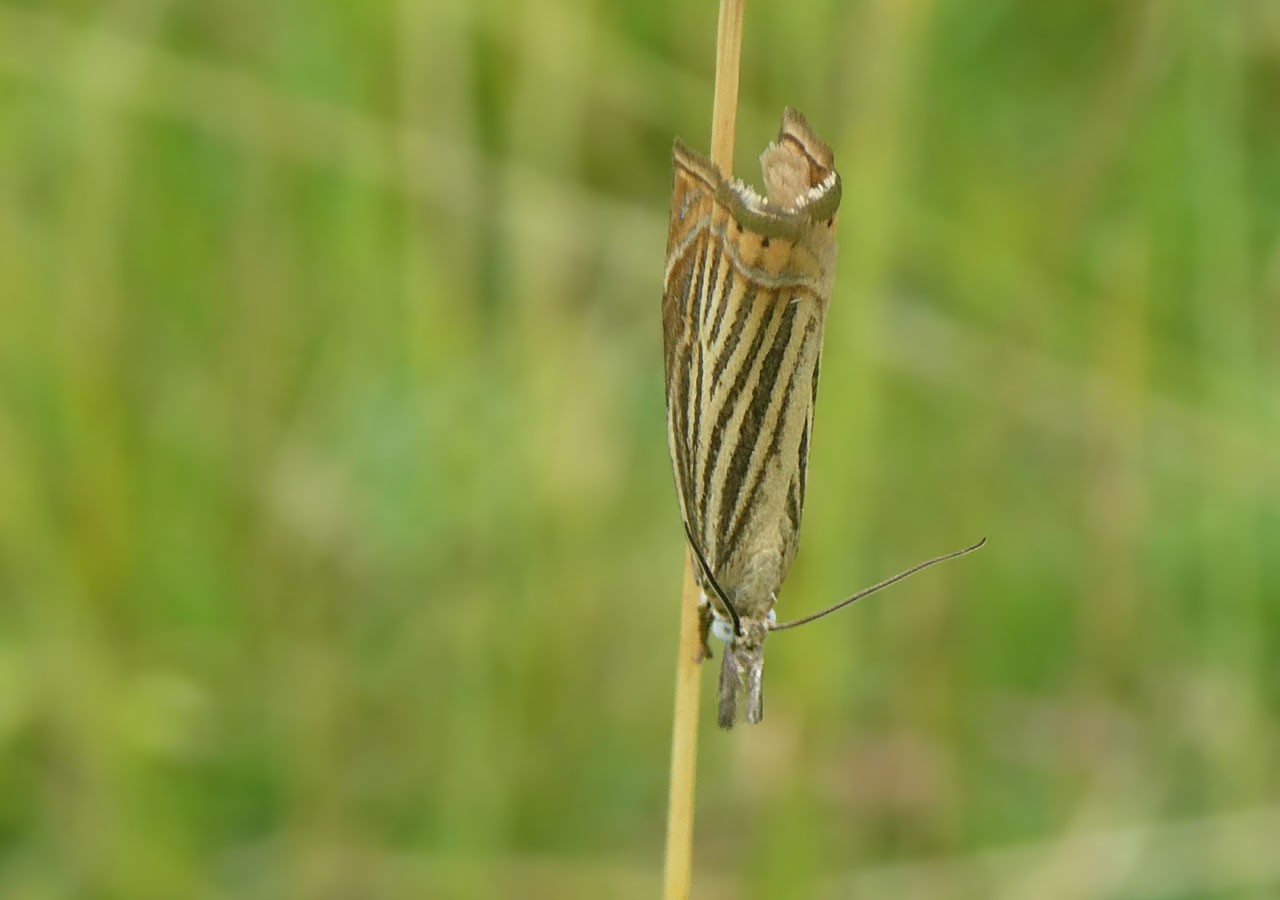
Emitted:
<point x="678" y="872"/>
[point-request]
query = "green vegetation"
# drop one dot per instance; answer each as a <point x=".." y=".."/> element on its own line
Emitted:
<point x="339" y="553"/>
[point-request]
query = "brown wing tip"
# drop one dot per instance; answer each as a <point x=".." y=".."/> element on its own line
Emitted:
<point x="795" y="129"/>
<point x="686" y="159"/>
<point x="801" y="184"/>
<point x="799" y="171"/>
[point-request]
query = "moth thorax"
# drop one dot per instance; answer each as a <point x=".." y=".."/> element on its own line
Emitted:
<point x="762" y="569"/>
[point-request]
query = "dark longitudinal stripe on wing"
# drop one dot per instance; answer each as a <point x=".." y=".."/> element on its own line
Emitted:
<point x="723" y="301"/>
<point x="686" y="285"/>
<point x="740" y="318"/>
<point x="795" y="490"/>
<point x="808" y="433"/>
<point x="677" y="413"/>
<point x="719" y="443"/>
<point x="694" y="403"/>
<point x="680" y="363"/>
<point x="705" y="387"/>
<point x="715" y="298"/>
<point x="793" y="503"/>
<point x="800" y="480"/>
<point x="688" y="302"/>
<point x="683" y="351"/>
<point x="756" y="432"/>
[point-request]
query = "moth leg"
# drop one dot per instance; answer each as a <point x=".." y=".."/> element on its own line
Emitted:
<point x="704" y="628"/>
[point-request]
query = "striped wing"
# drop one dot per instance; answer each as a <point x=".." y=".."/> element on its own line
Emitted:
<point x="744" y="302"/>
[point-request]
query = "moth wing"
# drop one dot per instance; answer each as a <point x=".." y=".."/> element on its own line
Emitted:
<point x="745" y="295"/>
<point x="756" y="422"/>
<point x="690" y="247"/>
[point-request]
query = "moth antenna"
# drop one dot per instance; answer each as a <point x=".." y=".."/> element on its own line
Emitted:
<point x="706" y="570"/>
<point x="876" y="587"/>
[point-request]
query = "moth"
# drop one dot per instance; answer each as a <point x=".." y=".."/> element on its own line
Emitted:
<point x="745" y="293"/>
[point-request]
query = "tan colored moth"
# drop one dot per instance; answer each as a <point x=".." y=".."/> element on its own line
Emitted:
<point x="745" y="297"/>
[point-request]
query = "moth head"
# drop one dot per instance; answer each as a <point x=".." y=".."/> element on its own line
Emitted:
<point x="752" y="631"/>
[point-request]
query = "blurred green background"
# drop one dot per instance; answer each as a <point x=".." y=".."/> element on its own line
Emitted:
<point x="339" y="553"/>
